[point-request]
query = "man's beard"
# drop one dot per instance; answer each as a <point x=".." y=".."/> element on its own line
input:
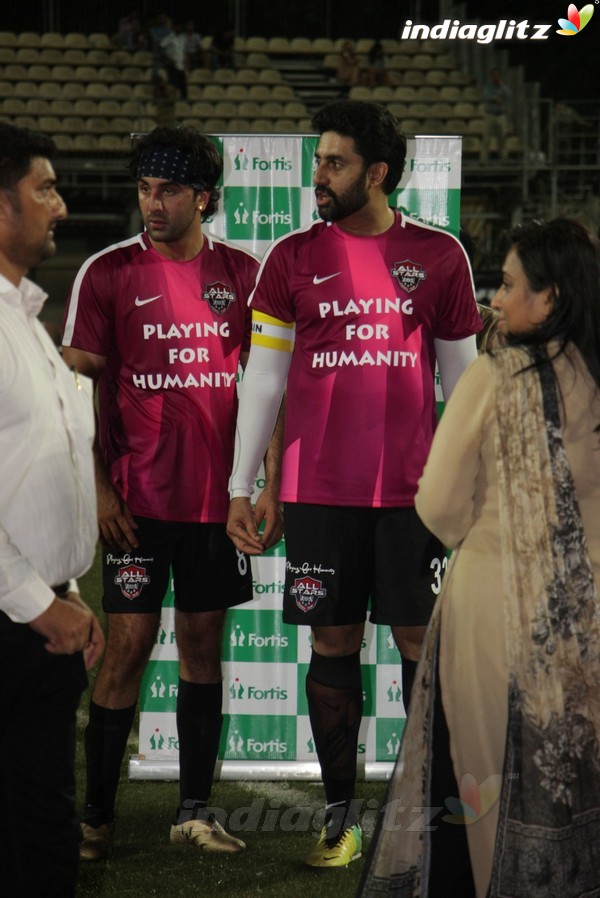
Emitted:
<point x="346" y="204"/>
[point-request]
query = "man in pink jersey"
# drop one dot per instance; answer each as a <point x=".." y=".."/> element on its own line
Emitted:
<point x="353" y="311"/>
<point x="161" y="321"/>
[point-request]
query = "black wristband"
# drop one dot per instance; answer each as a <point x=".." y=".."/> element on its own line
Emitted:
<point x="61" y="590"/>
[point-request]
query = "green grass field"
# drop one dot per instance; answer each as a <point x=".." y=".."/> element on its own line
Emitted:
<point x="144" y="863"/>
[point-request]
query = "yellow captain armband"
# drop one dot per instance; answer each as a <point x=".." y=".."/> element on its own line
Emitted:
<point x="272" y="333"/>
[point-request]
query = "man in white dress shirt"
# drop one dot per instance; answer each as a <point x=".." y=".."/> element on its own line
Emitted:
<point x="48" y="531"/>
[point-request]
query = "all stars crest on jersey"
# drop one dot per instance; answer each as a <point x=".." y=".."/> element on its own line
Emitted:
<point x="409" y="274"/>
<point x="219" y="296"/>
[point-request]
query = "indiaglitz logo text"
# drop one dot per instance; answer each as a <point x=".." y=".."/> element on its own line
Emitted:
<point x="455" y="30"/>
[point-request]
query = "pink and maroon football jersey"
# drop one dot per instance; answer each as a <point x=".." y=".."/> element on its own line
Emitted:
<point x="171" y="332"/>
<point x="360" y="406"/>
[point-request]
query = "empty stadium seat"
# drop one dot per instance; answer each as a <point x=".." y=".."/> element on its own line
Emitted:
<point x="86" y="107"/>
<point x="282" y="92"/>
<point x="257" y="61"/>
<point x="256" y="45"/>
<point x="238" y="125"/>
<point x="284" y="125"/>
<point x="24" y="55"/>
<point x="246" y="76"/>
<point x="260" y="91"/>
<point x="225" y="109"/>
<point x="74" y="57"/>
<point x="450" y="93"/>
<point x="52" y="90"/>
<point x="73" y="91"/>
<point x="61" y="107"/>
<point x="28" y="39"/>
<point x="100" y="57"/>
<point x="111" y="142"/>
<point x="223" y="76"/>
<point x="99" y="41"/>
<point x="15" y="106"/>
<point x="277" y="45"/>
<point x="63" y="141"/>
<point x="301" y="45"/>
<point x="436" y="77"/>
<point x="269" y="76"/>
<point x="249" y="109"/>
<point x="31" y="89"/>
<point x="322" y="45"/>
<point x="236" y="92"/>
<point x="75" y="39"/>
<point x="84" y="142"/>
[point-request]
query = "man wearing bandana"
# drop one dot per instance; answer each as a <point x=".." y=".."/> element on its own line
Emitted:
<point x="160" y="321"/>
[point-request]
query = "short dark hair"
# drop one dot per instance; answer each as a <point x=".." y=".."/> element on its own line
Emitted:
<point x="375" y="131"/>
<point x="563" y="255"/>
<point x="18" y="147"/>
<point x="203" y="154"/>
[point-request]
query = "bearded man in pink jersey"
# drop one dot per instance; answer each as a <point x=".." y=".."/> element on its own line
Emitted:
<point x="160" y="321"/>
<point x="353" y="311"/>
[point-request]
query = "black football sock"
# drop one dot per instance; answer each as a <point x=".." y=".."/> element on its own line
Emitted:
<point x="105" y="741"/>
<point x="335" y="698"/>
<point x="199" y="722"/>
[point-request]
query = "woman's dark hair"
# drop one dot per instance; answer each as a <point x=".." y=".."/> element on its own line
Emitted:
<point x="563" y="255"/>
<point x="375" y="131"/>
<point x="205" y="162"/>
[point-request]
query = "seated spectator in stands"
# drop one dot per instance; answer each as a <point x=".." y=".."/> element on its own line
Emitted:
<point x="376" y="72"/>
<point x="194" y="56"/>
<point x="173" y="51"/>
<point x="222" y="54"/>
<point x="496" y="99"/>
<point x="158" y="30"/>
<point x="349" y="66"/>
<point x="129" y="35"/>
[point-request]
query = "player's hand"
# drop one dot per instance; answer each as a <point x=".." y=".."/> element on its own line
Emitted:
<point x="242" y="529"/>
<point x="270" y="510"/>
<point x="69" y="627"/>
<point x="115" y="521"/>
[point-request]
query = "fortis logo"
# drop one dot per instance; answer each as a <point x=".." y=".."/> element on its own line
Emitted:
<point x="243" y="163"/>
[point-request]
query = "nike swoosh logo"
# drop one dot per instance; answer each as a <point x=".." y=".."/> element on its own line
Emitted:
<point x="317" y="280"/>
<point x="144" y="302"/>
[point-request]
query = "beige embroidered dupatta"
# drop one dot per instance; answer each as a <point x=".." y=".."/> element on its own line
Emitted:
<point x="548" y="840"/>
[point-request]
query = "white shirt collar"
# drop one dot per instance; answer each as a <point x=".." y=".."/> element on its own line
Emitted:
<point x="28" y="295"/>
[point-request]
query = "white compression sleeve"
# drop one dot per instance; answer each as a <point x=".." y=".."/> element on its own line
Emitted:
<point x="453" y="356"/>
<point x="260" y="397"/>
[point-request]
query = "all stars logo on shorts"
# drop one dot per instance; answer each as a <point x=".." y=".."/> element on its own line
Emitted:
<point x="409" y="274"/>
<point x="307" y="592"/>
<point x="219" y="297"/>
<point x="132" y="580"/>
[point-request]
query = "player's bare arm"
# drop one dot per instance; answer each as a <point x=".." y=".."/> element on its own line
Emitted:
<point x="268" y="507"/>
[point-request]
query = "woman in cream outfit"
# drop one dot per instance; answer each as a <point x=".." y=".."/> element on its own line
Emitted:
<point x="512" y="484"/>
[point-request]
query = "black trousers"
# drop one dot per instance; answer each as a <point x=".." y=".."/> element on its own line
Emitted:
<point x="39" y="833"/>
<point x="450" y="873"/>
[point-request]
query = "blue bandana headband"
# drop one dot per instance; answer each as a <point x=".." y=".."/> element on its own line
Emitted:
<point x="170" y="163"/>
